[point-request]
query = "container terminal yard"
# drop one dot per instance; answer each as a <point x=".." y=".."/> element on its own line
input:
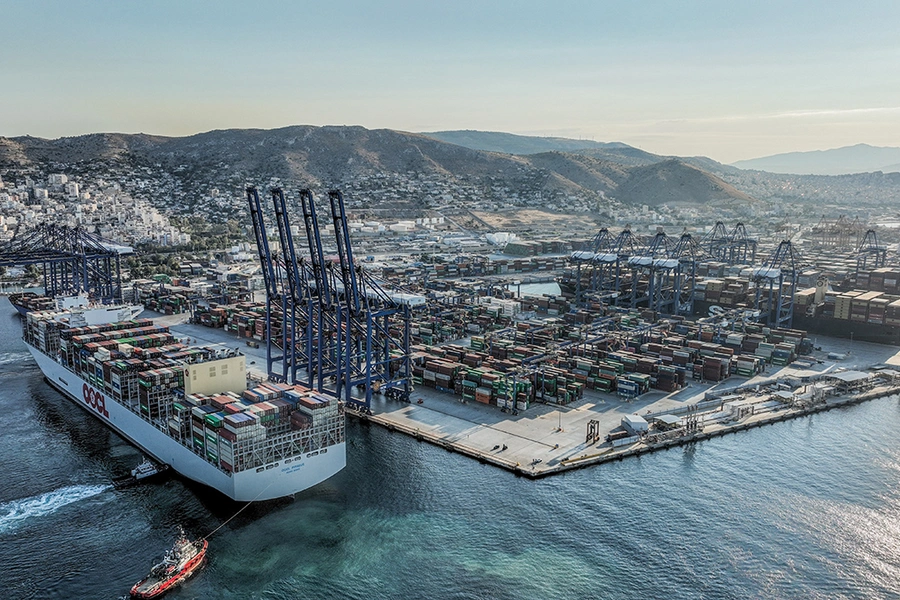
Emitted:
<point x="651" y="341"/>
<point x="547" y="438"/>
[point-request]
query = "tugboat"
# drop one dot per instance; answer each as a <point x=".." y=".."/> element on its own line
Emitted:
<point x="143" y="471"/>
<point x="183" y="560"/>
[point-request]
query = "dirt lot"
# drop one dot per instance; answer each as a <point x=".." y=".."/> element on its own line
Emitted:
<point x="517" y="220"/>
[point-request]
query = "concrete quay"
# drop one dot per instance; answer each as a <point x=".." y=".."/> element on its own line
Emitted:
<point x="549" y="439"/>
<point x="534" y="445"/>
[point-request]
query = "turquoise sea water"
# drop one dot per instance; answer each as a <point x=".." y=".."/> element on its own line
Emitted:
<point x="804" y="509"/>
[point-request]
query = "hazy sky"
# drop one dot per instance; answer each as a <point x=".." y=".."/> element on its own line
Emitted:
<point x="725" y="79"/>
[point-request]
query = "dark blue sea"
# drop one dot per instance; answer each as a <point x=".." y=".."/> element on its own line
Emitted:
<point x="804" y="509"/>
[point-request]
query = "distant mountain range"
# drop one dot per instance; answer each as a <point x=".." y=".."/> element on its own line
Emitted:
<point x="860" y="158"/>
<point x="508" y="143"/>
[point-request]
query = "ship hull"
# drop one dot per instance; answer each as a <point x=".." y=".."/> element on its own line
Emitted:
<point x="267" y="482"/>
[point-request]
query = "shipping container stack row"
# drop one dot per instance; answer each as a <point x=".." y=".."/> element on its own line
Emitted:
<point x="230" y="293"/>
<point x="246" y="320"/>
<point x="729" y="291"/>
<point x="43" y="332"/>
<point x="108" y="356"/>
<point x="238" y="432"/>
<point x="33" y="302"/>
<point x="885" y="279"/>
<point x="454" y="323"/>
<point x="872" y="307"/>
<point x="499" y="267"/>
<point x="210" y="317"/>
<point x="535" y="247"/>
<point x="220" y="315"/>
<point x="171" y="300"/>
<point x="477" y="266"/>
<point x="480" y="383"/>
<point x="547" y="304"/>
<point x="665" y="363"/>
<point x="112" y="369"/>
<point x="156" y="391"/>
<point x="123" y="379"/>
<point x="41" y="322"/>
<point x="688" y="346"/>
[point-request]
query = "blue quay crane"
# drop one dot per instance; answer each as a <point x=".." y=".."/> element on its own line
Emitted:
<point x="732" y="247"/>
<point x="600" y="270"/>
<point x="298" y="307"/>
<point x="741" y="247"/>
<point x="344" y="334"/>
<point x="870" y="255"/>
<point x="776" y="282"/>
<point x="73" y="261"/>
<point x="651" y="273"/>
<point x="276" y="300"/>
<point x="372" y="348"/>
<point x="324" y="318"/>
<point x="688" y="252"/>
<point x="587" y="261"/>
<point x="612" y="281"/>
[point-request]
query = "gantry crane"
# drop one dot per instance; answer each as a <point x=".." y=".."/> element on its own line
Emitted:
<point x="372" y="346"/>
<point x="741" y="248"/>
<point x="276" y="299"/>
<point x="298" y="308"/>
<point x="870" y="255"/>
<point x="776" y="282"/>
<point x="73" y="261"/>
<point x="342" y="333"/>
<point x="732" y="247"/>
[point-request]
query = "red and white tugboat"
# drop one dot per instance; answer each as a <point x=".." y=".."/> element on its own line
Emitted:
<point x="183" y="560"/>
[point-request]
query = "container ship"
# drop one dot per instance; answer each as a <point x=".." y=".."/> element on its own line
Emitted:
<point x="24" y="302"/>
<point x="189" y="407"/>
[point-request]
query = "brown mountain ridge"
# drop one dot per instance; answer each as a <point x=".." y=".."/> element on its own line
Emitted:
<point x="332" y="155"/>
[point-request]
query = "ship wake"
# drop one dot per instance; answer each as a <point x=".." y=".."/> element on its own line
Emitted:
<point x="13" y="513"/>
<point x="9" y="358"/>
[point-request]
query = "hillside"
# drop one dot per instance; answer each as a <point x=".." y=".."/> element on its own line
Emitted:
<point x="376" y="164"/>
<point x="675" y="182"/>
